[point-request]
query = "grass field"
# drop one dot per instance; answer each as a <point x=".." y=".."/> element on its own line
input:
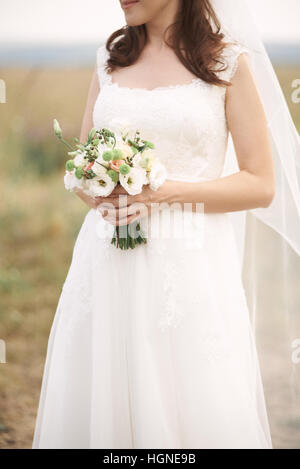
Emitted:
<point x="39" y="223"/>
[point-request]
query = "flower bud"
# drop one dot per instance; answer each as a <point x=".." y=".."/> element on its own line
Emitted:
<point x="57" y="129"/>
<point x="70" y="165"/>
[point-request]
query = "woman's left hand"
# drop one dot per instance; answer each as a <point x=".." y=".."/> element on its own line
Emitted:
<point x="121" y="209"/>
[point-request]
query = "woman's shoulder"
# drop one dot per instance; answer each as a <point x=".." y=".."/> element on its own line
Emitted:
<point x="230" y="57"/>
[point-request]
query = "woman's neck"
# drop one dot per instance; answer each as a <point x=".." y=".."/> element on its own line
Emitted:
<point x="157" y="26"/>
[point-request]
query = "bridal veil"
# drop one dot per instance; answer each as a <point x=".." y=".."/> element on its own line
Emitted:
<point x="269" y="238"/>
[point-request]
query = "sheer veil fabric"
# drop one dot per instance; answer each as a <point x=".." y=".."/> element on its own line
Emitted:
<point x="269" y="239"/>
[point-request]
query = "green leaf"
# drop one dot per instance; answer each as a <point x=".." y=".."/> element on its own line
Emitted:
<point x="92" y="133"/>
<point x="148" y="144"/>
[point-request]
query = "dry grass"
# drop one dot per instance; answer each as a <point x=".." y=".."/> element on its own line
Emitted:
<point x="39" y="223"/>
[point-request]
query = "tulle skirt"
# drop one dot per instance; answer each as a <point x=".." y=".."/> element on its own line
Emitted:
<point x="152" y="347"/>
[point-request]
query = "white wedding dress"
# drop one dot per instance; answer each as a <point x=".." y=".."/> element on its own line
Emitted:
<point x="153" y="347"/>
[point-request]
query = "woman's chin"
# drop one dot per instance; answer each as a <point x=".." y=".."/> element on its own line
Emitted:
<point x="134" y="19"/>
<point x="136" y="15"/>
<point x="133" y="23"/>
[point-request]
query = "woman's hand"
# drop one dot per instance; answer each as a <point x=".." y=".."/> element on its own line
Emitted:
<point x="121" y="209"/>
<point x="88" y="200"/>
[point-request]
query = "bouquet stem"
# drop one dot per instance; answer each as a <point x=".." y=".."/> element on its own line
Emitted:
<point x="123" y="238"/>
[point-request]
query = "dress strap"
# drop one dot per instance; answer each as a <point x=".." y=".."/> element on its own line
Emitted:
<point x="102" y="57"/>
<point x="231" y="56"/>
<point x="232" y="59"/>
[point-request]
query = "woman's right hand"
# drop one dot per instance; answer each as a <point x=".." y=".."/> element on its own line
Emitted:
<point x="87" y="199"/>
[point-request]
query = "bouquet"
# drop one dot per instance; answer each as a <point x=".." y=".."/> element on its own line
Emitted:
<point x="105" y="160"/>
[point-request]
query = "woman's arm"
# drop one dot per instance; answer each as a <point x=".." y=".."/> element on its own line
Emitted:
<point x="254" y="185"/>
<point x="87" y="124"/>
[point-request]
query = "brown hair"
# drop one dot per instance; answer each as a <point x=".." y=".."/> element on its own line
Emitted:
<point x="196" y="32"/>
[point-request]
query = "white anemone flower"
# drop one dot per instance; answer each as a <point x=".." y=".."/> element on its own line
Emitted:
<point x="136" y="160"/>
<point x="125" y="149"/>
<point x="79" y="160"/>
<point x="157" y="176"/>
<point x="101" y="186"/>
<point x="72" y="182"/>
<point x="98" y="167"/>
<point x="133" y="181"/>
<point x="148" y="159"/>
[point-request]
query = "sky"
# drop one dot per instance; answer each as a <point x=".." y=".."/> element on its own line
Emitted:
<point x="81" y="21"/>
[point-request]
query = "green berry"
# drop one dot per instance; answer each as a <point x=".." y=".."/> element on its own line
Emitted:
<point x="107" y="155"/>
<point x="124" y="169"/>
<point x="117" y="154"/>
<point x="79" y="173"/>
<point x="113" y="175"/>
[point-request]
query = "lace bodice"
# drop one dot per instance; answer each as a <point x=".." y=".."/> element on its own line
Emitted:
<point x="187" y="123"/>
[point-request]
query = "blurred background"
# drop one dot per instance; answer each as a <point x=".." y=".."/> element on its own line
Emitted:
<point x="47" y="54"/>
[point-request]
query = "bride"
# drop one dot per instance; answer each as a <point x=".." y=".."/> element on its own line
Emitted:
<point x="153" y="347"/>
